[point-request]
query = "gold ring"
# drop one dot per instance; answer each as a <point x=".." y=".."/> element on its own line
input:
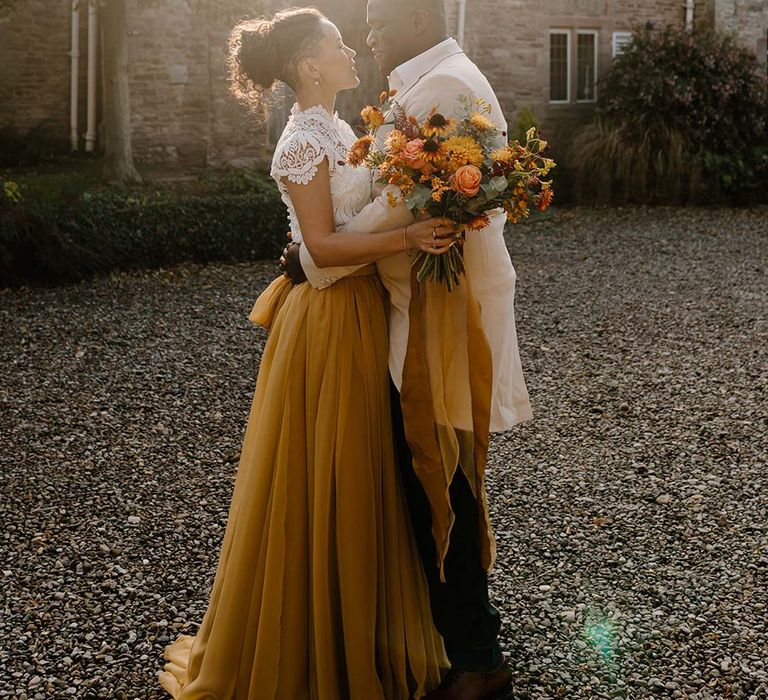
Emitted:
<point x="434" y="234"/>
<point x="435" y="246"/>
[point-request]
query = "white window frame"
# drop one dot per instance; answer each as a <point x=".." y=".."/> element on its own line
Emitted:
<point x="595" y="60"/>
<point x="568" y="51"/>
<point x="619" y="42"/>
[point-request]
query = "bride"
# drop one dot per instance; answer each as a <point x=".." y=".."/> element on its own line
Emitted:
<point x="319" y="591"/>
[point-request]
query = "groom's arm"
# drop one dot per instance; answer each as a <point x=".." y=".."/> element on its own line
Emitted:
<point x="379" y="215"/>
<point x="297" y="265"/>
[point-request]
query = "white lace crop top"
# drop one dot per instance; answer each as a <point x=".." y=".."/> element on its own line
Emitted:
<point x="310" y="136"/>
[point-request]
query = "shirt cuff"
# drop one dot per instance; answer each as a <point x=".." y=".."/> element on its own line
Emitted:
<point x="321" y="278"/>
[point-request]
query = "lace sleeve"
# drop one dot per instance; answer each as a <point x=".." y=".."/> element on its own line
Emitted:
<point x="299" y="155"/>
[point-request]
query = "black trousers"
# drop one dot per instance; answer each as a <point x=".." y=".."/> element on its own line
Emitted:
<point x="461" y="609"/>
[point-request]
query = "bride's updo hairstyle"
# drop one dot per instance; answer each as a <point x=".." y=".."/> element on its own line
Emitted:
<point x="263" y="51"/>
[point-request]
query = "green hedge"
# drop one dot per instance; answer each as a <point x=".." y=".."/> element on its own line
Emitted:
<point x="50" y="239"/>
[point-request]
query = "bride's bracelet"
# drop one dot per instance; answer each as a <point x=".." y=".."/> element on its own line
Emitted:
<point x="405" y="242"/>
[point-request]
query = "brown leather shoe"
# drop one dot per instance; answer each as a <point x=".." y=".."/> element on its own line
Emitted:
<point x="474" y="685"/>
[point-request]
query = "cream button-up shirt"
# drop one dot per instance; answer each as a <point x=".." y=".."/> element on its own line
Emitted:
<point x="438" y="78"/>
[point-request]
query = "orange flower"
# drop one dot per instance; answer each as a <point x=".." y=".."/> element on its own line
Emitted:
<point x="481" y="122"/>
<point x="545" y="199"/>
<point x="413" y="154"/>
<point x="516" y="211"/>
<point x="479" y="222"/>
<point x="396" y="142"/>
<point x="503" y="155"/>
<point x="372" y="116"/>
<point x="466" y="180"/>
<point x="406" y="185"/>
<point x="360" y="150"/>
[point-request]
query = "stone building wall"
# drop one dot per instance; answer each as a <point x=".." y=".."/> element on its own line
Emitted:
<point x="748" y="19"/>
<point x="509" y="41"/>
<point x="182" y="113"/>
<point x="35" y="68"/>
<point x="170" y="90"/>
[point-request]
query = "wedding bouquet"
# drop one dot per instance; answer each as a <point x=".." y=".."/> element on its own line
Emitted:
<point x="459" y="168"/>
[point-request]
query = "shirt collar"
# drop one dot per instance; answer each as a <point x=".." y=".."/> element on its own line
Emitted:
<point x="406" y="74"/>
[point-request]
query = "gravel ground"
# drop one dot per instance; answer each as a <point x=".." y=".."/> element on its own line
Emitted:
<point x="632" y="513"/>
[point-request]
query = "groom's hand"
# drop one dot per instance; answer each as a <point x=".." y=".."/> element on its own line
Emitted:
<point x="290" y="263"/>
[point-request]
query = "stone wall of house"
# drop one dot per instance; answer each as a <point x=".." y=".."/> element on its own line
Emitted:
<point x="509" y="41"/>
<point x="170" y="90"/>
<point x="182" y="113"/>
<point x="748" y="19"/>
<point x="35" y="42"/>
<point x="234" y="136"/>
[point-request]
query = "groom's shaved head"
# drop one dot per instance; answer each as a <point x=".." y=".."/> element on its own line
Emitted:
<point x="436" y="6"/>
<point x="402" y="29"/>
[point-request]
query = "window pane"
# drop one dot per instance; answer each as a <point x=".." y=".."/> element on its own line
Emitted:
<point x="620" y="42"/>
<point x="558" y="67"/>
<point x="586" y="50"/>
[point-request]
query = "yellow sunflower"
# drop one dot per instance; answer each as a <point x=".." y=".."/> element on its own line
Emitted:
<point x="437" y="125"/>
<point x="462" y="150"/>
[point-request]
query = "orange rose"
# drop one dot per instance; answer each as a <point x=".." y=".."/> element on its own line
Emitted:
<point x="413" y="154"/>
<point x="466" y="180"/>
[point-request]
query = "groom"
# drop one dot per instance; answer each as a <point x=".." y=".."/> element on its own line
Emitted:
<point x="428" y="69"/>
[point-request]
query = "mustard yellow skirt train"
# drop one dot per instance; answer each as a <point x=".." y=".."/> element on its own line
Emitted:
<point x="319" y="592"/>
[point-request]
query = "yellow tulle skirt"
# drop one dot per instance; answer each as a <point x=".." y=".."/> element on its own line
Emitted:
<point x="319" y="592"/>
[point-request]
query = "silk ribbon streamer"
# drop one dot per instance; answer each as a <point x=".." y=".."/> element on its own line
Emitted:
<point x="448" y="363"/>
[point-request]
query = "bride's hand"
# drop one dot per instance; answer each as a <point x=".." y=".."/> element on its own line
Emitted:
<point x="434" y="236"/>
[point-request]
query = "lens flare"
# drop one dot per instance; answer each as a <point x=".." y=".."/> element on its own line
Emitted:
<point x="600" y="635"/>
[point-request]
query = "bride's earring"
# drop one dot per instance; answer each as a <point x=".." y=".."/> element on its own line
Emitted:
<point x="317" y="82"/>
